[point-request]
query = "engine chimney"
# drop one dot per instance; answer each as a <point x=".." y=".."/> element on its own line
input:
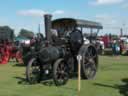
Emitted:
<point x="48" y="26"/>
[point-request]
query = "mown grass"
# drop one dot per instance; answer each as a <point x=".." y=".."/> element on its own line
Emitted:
<point x="111" y="80"/>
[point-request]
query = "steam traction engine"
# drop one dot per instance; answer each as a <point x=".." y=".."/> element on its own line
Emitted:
<point x="57" y="55"/>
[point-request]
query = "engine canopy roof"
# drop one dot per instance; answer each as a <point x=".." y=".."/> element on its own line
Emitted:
<point x="71" y="22"/>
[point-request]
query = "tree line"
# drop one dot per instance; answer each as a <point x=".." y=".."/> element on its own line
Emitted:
<point x="22" y="33"/>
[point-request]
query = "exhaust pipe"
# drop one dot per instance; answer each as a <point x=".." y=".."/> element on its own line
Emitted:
<point x="48" y="27"/>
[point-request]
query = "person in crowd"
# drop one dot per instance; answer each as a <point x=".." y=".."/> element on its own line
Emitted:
<point x="113" y="47"/>
<point x="121" y="46"/>
<point x="117" y="48"/>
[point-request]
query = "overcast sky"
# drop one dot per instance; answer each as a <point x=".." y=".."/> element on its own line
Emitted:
<point x="18" y="14"/>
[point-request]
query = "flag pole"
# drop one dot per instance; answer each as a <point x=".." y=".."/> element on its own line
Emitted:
<point x="79" y="57"/>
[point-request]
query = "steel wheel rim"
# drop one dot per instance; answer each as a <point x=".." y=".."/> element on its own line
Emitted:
<point x="61" y="73"/>
<point x="89" y="63"/>
<point x="90" y="69"/>
<point x="34" y="72"/>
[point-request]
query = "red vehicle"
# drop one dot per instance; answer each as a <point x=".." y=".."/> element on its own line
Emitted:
<point x="8" y="50"/>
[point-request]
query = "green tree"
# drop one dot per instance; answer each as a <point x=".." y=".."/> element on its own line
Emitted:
<point x="6" y="33"/>
<point x="26" y="33"/>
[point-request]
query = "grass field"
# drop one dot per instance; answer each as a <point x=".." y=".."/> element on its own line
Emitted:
<point x="111" y="80"/>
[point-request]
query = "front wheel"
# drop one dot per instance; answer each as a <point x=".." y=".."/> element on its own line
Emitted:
<point x="60" y="72"/>
<point x="33" y="71"/>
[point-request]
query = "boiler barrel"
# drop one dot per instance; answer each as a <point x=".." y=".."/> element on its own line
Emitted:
<point x="50" y="54"/>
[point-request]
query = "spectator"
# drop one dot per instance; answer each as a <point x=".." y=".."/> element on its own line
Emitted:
<point x="117" y="48"/>
<point x="113" y="47"/>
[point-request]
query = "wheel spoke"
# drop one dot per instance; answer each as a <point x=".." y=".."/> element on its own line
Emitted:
<point x="90" y="68"/>
<point x="34" y="72"/>
<point x="61" y="74"/>
<point x="91" y="53"/>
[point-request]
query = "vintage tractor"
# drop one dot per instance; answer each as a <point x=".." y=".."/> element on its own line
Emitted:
<point x="57" y="56"/>
<point x="8" y="49"/>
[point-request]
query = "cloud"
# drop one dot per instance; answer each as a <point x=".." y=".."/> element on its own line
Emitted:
<point x="106" y="2"/>
<point x="32" y="12"/>
<point x="58" y="12"/>
<point x="125" y="6"/>
<point x="106" y="19"/>
<point x="112" y="23"/>
<point x="38" y="12"/>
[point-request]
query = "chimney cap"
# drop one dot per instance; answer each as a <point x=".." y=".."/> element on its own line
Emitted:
<point x="47" y="14"/>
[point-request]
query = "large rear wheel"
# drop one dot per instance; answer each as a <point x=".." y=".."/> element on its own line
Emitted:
<point x="89" y="62"/>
